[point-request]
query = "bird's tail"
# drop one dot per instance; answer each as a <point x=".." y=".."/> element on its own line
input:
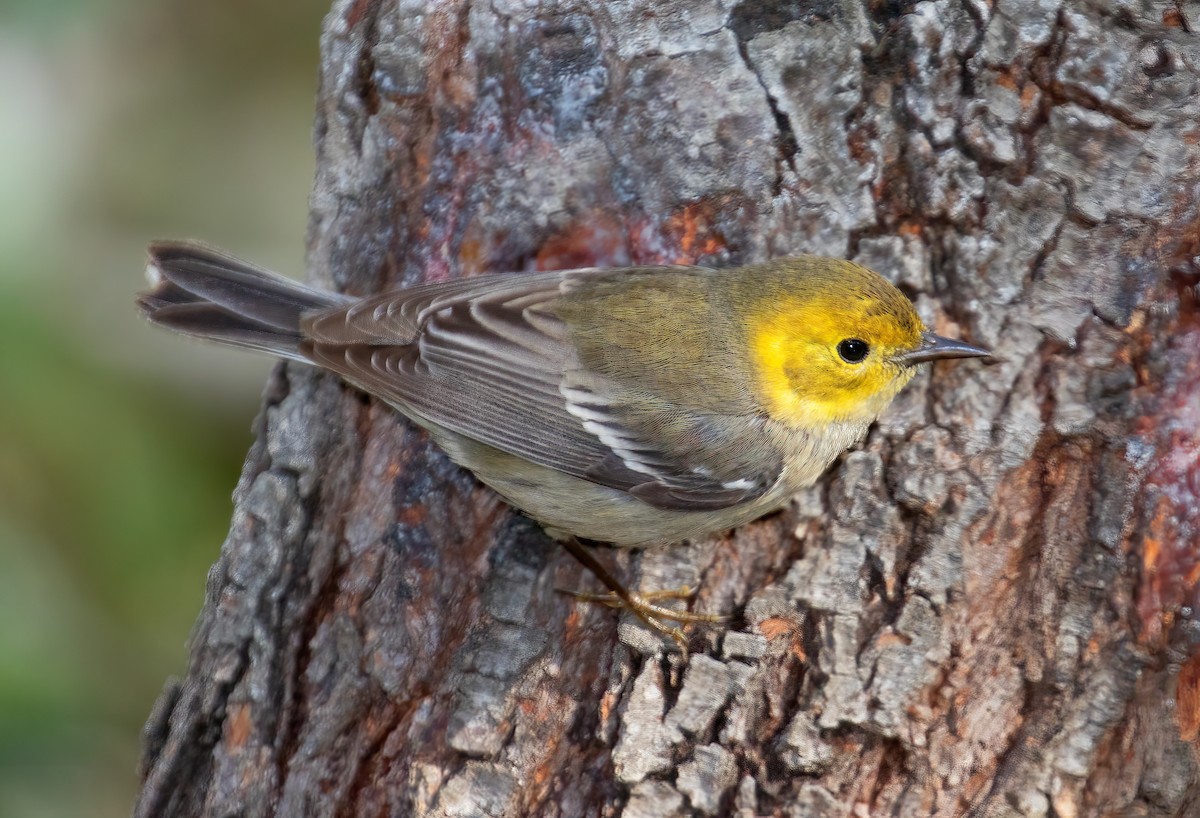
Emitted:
<point x="204" y="292"/>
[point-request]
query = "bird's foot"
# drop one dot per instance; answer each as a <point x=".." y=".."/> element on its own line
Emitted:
<point x="640" y="603"/>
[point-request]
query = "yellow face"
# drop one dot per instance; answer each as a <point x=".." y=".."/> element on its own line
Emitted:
<point x="828" y="354"/>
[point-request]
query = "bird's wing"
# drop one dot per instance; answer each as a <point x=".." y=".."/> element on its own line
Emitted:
<point x="490" y="359"/>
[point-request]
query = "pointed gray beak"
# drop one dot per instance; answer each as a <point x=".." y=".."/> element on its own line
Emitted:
<point x="935" y="347"/>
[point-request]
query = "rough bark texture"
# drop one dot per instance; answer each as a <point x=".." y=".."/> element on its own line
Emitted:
<point x="985" y="610"/>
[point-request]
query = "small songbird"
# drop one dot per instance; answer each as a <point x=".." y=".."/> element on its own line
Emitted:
<point x="634" y="406"/>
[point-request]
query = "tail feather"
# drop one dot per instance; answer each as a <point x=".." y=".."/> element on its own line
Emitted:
<point x="203" y="292"/>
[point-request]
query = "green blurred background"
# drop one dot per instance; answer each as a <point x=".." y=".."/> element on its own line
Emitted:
<point x="122" y="121"/>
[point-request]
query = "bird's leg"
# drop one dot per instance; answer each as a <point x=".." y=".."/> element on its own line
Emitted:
<point x="639" y="604"/>
<point x="613" y="601"/>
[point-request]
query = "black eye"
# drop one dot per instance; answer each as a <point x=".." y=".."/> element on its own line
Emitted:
<point x="853" y="350"/>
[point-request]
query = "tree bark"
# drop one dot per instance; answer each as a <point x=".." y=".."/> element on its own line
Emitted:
<point x="987" y="609"/>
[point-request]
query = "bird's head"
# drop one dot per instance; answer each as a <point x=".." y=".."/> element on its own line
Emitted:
<point x="837" y="342"/>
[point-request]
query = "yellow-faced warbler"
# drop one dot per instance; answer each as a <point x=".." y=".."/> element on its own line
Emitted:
<point x="632" y="406"/>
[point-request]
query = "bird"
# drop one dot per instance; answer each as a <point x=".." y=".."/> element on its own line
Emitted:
<point x="633" y="406"/>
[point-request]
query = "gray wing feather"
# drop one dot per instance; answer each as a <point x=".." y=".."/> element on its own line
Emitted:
<point x="488" y="358"/>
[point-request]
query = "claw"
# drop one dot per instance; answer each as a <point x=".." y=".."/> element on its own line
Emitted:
<point x="644" y="601"/>
<point x="640" y="604"/>
<point x="613" y="601"/>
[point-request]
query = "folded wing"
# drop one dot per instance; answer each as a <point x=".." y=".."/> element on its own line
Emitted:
<point x="490" y="359"/>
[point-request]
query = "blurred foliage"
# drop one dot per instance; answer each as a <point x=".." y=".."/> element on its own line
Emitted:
<point x="125" y="120"/>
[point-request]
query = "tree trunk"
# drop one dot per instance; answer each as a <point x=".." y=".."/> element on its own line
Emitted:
<point x="985" y="610"/>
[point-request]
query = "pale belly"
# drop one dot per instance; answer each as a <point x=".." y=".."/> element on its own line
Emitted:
<point x="569" y="506"/>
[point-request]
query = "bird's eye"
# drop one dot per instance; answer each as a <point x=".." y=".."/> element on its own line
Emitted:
<point x="853" y="350"/>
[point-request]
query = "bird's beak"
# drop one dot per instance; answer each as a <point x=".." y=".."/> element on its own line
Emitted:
<point x="935" y="347"/>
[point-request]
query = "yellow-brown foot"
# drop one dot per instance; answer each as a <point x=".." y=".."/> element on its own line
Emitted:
<point x="641" y="603"/>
